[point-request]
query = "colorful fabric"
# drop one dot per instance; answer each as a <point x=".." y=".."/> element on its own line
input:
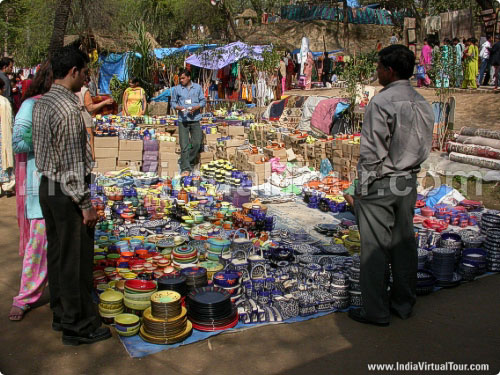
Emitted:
<point x="22" y="220"/>
<point x="135" y="95"/>
<point x="6" y="154"/>
<point x="34" y="274"/>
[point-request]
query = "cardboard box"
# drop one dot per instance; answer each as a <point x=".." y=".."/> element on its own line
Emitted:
<point x="336" y="144"/>
<point x="337" y="161"/>
<point x="235" y="142"/>
<point x="337" y="153"/>
<point x="171" y="171"/>
<point x="345" y="162"/>
<point x="356" y="149"/>
<point x="164" y="156"/>
<point x="234" y="130"/>
<point x="212" y="137"/>
<point x="205" y="157"/>
<point x="108" y="152"/>
<point x="347" y="150"/>
<point x="130" y="155"/>
<point x="105" y="163"/>
<point x="105" y="142"/>
<point x="167" y="146"/>
<point x="132" y="165"/>
<point x="131" y="145"/>
<point x="273" y="153"/>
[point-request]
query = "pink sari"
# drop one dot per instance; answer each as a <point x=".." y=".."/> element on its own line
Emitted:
<point x="23" y="223"/>
<point x="425" y="61"/>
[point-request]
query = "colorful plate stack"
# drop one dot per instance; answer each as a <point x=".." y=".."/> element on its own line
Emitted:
<point x="196" y="277"/>
<point x="176" y="283"/>
<point x="210" y="309"/>
<point x="165" y="322"/>
<point x="111" y="305"/>
<point x="183" y="256"/>
<point x="138" y="294"/>
<point x="127" y="324"/>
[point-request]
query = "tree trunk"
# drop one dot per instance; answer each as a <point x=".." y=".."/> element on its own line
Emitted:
<point x="346" y="24"/>
<point x="485" y="4"/>
<point x="60" y="22"/>
<point x="6" y="36"/>
<point x="229" y="17"/>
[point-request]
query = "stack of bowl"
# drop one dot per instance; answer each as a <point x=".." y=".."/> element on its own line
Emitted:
<point x="110" y="305"/>
<point x="184" y="256"/>
<point x="165" y="322"/>
<point x="425" y="282"/>
<point x="212" y="268"/>
<point x="217" y="247"/>
<point x="137" y="295"/>
<point x="492" y="246"/>
<point x="127" y="324"/>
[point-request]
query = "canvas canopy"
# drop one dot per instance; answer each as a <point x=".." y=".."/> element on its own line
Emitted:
<point x="220" y="57"/>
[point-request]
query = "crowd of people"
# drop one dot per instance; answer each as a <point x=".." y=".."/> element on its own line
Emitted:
<point x="461" y="64"/>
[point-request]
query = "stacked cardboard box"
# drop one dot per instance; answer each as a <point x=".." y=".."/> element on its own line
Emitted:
<point x="106" y="152"/>
<point x="150" y="156"/>
<point x="168" y="158"/>
<point x="130" y="154"/>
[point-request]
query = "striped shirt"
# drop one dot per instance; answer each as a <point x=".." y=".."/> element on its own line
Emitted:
<point x="60" y="142"/>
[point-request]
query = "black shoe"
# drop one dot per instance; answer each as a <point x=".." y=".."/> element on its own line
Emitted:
<point x="355" y="314"/>
<point x="403" y="317"/>
<point x="101" y="333"/>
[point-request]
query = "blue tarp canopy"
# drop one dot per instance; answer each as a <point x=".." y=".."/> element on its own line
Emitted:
<point x="112" y="64"/>
<point x="163" y="52"/>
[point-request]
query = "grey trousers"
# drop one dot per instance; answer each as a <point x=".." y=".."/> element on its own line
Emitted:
<point x="385" y="220"/>
<point x="190" y="139"/>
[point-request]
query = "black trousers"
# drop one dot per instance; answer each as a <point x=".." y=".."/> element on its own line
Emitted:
<point x="385" y="220"/>
<point x="70" y="251"/>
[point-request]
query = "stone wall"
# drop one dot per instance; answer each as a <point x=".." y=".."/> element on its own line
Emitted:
<point x="288" y="34"/>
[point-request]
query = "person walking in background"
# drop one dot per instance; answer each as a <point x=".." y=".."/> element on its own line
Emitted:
<point x="134" y="99"/>
<point x="283" y="75"/>
<point x="63" y="157"/>
<point x="495" y="63"/>
<point x="425" y="62"/>
<point x="290" y="71"/>
<point x="25" y="84"/>
<point x="393" y="40"/>
<point x="470" y="62"/>
<point x="459" y="51"/>
<point x="308" y="70"/>
<point x="6" y="66"/>
<point x="7" y="176"/>
<point x="188" y="99"/>
<point x="32" y="236"/>
<point x="396" y="138"/>
<point x="485" y="59"/>
<point x="327" y="69"/>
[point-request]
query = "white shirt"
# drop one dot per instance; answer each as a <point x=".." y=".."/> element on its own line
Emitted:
<point x="485" y="52"/>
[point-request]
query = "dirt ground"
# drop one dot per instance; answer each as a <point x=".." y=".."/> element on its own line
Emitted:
<point x="459" y="325"/>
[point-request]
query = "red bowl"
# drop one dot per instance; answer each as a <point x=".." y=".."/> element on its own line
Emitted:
<point x="143" y="285"/>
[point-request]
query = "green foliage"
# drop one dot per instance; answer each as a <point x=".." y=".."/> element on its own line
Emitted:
<point x="357" y="71"/>
<point x="117" y="88"/>
<point x="141" y="62"/>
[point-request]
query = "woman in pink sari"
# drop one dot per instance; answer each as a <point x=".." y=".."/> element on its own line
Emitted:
<point x="425" y="61"/>
<point x="33" y="240"/>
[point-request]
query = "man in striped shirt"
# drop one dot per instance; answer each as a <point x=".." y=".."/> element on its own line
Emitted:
<point x="64" y="158"/>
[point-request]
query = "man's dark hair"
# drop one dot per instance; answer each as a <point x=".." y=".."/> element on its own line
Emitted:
<point x="456" y="40"/>
<point x="65" y="59"/>
<point x="399" y="58"/>
<point x="186" y="72"/>
<point x="5" y="61"/>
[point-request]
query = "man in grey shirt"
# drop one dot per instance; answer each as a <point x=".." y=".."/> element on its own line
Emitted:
<point x="396" y="138"/>
<point x="6" y="65"/>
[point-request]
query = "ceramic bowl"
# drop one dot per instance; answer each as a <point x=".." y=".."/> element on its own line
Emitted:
<point x="137" y="305"/>
<point x="128" y="333"/>
<point x="127" y="320"/>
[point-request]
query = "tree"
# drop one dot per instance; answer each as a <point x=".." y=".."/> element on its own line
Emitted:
<point x="60" y="23"/>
